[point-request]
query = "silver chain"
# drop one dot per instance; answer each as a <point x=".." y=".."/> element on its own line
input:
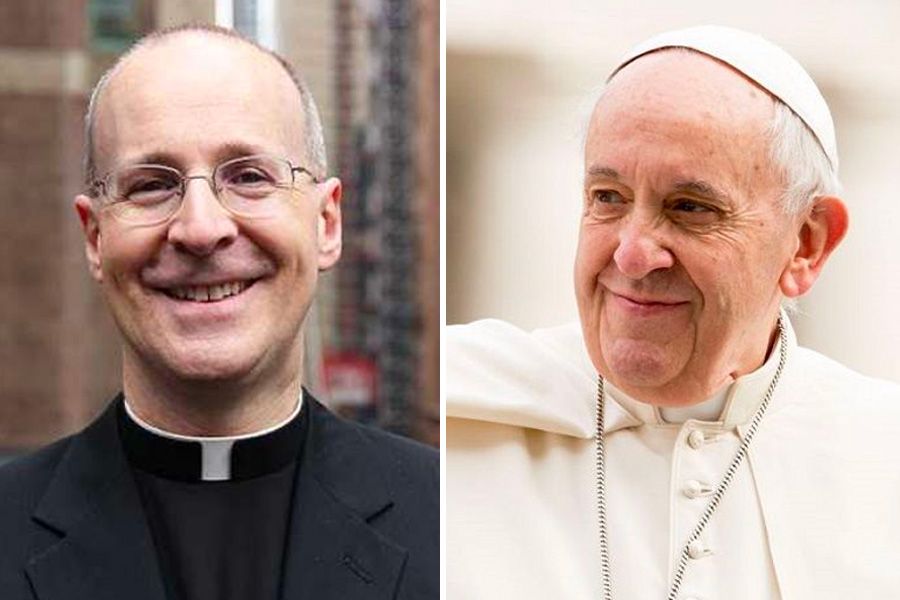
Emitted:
<point x="713" y="502"/>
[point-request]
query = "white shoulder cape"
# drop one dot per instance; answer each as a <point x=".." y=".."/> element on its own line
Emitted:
<point x="826" y="461"/>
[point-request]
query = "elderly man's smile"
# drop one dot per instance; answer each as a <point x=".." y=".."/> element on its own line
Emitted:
<point x="646" y="306"/>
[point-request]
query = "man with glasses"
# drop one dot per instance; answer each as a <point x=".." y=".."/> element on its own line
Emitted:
<point x="207" y="217"/>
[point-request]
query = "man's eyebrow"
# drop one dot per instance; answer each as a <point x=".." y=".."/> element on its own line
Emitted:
<point x="230" y="150"/>
<point x="700" y="188"/>
<point x="599" y="172"/>
<point x="224" y="152"/>
<point x="153" y="158"/>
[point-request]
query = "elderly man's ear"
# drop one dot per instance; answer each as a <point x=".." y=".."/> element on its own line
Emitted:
<point x="820" y="232"/>
<point x="85" y="209"/>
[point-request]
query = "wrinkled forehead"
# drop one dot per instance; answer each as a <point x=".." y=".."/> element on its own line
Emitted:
<point x="676" y="83"/>
<point x="679" y="116"/>
<point x="761" y="61"/>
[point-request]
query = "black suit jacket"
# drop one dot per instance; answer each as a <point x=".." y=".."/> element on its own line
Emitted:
<point x="365" y="520"/>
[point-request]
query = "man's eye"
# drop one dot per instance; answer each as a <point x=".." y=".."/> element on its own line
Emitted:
<point x="250" y="177"/>
<point x="603" y="204"/>
<point x="690" y="206"/>
<point x="691" y="212"/>
<point x="149" y="189"/>
<point x="152" y="185"/>
<point x="607" y="197"/>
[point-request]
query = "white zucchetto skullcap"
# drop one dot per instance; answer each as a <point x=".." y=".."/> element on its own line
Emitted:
<point x="769" y="66"/>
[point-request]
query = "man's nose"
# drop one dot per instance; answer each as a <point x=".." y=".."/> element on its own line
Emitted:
<point x="640" y="250"/>
<point x="201" y="224"/>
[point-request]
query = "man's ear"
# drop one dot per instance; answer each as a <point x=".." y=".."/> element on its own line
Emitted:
<point x="329" y="222"/>
<point x="84" y="206"/>
<point x="821" y="231"/>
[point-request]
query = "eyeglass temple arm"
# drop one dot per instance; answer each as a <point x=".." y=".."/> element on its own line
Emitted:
<point x="307" y="171"/>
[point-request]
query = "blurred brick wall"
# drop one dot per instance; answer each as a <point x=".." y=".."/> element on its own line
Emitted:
<point x="51" y="322"/>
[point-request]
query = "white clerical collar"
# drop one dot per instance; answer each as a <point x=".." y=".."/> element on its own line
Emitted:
<point x="216" y="451"/>
<point x="733" y="405"/>
<point x="708" y="410"/>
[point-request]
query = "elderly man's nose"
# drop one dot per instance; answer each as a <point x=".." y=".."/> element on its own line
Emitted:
<point x="639" y="252"/>
<point x="202" y="224"/>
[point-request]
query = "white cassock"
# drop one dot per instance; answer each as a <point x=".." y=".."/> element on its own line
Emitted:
<point x="813" y="512"/>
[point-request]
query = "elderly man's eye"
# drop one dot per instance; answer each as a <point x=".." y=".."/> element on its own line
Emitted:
<point x="607" y="197"/>
<point x="604" y="204"/>
<point x="691" y="206"/>
<point x="691" y="212"/>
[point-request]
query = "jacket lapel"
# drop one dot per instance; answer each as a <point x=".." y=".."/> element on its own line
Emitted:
<point x="333" y="550"/>
<point x="105" y="549"/>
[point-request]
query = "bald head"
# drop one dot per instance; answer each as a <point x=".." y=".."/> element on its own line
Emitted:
<point x="170" y="65"/>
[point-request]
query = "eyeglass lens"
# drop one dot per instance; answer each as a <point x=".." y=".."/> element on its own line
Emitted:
<point x="153" y="193"/>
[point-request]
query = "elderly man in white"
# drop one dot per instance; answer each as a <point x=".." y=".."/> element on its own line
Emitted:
<point x="680" y="444"/>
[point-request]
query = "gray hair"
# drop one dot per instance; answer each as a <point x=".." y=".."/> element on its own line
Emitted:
<point x="315" y="138"/>
<point x="806" y="170"/>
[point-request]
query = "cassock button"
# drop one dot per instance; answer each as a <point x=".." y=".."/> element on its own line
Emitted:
<point x="692" y="488"/>
<point x="695" y="439"/>
<point x="696" y="550"/>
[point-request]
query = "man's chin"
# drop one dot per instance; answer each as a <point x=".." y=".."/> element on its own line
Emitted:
<point x="207" y="365"/>
<point x="641" y="368"/>
<point x="205" y="375"/>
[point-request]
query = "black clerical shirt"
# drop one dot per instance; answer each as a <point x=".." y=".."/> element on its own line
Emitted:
<point x="218" y="511"/>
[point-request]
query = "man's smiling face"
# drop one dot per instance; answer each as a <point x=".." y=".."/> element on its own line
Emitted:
<point x="683" y="238"/>
<point x="208" y="295"/>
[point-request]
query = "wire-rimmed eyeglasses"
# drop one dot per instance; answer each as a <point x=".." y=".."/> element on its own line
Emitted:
<point x="146" y="194"/>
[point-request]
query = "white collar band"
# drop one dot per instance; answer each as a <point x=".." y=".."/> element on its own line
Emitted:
<point x="215" y="451"/>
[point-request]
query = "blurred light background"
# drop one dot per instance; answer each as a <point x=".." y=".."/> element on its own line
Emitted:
<point x="372" y="339"/>
<point x="521" y="77"/>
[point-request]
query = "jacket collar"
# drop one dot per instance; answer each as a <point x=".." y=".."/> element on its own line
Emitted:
<point x="105" y="550"/>
<point x="334" y="552"/>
